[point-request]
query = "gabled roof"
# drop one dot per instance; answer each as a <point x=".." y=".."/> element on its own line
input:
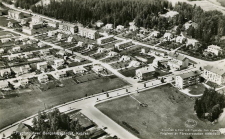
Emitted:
<point x="177" y="56"/>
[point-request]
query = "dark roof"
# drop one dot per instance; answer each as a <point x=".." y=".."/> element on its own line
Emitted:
<point x="189" y="74"/>
<point x="177" y="56"/>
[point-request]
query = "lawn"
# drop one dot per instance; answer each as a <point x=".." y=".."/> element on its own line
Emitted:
<point x="197" y="89"/>
<point x="27" y="104"/>
<point x="167" y="108"/>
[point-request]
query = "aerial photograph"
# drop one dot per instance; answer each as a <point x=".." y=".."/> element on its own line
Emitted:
<point x="112" y="69"/>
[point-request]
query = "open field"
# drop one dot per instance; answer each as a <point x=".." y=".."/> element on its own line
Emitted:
<point x="27" y="104"/>
<point x="167" y="108"/>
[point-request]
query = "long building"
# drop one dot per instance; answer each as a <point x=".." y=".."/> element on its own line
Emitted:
<point x="215" y="74"/>
<point x="105" y="39"/>
<point x="88" y="33"/>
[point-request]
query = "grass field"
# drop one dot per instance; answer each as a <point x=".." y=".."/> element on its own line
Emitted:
<point x="167" y="108"/>
<point x="197" y="89"/>
<point x="27" y="104"/>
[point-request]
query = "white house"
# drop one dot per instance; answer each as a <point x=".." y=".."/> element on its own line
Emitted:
<point x="168" y="36"/>
<point x="68" y="28"/>
<point x="140" y="73"/>
<point x="125" y="58"/>
<point x="41" y="44"/>
<point x="181" y="39"/>
<point x="155" y="34"/>
<point x="177" y="61"/>
<point x="60" y="74"/>
<point x="99" y="23"/>
<point x="192" y="42"/>
<point x="43" y="78"/>
<point x="132" y="26"/>
<point x="214" y="49"/>
<point x="1" y="50"/>
<point x="16" y="49"/>
<point x="101" y="50"/>
<point x="42" y="66"/>
<point x="97" y="68"/>
<point x="59" y="36"/>
<point x="134" y="63"/>
<point x="90" y="46"/>
<point x="79" y="70"/>
<point x="36" y="19"/>
<point x="58" y="62"/>
<point x="70" y="39"/>
<point x="109" y="26"/>
<point x="52" y="33"/>
<point x="80" y="43"/>
<point x="119" y="28"/>
<point x="215" y="74"/>
<point x="21" y="70"/>
<point x="52" y="24"/>
<point x="5" y="40"/>
<point x="187" y="79"/>
<point x="6" y="71"/>
<point x="112" y="53"/>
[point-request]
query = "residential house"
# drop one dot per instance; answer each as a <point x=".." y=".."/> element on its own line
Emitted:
<point x="41" y="44"/>
<point x="125" y="58"/>
<point x="12" y="56"/>
<point x="43" y="78"/>
<point x="187" y="79"/>
<point x="109" y="26"/>
<point x="42" y="66"/>
<point x="52" y="33"/>
<point x="119" y="28"/>
<point x="158" y="52"/>
<point x="21" y="70"/>
<point x="15" y="14"/>
<point x="99" y="23"/>
<point x="76" y="58"/>
<point x="28" y="30"/>
<point x="60" y="74"/>
<point x="215" y="74"/>
<point x="3" y="84"/>
<point x="132" y="26"/>
<point x="168" y="36"/>
<point x="16" y="49"/>
<point x="68" y="28"/>
<point x="6" y="71"/>
<point x="105" y="39"/>
<point x="52" y="24"/>
<point x="12" y="24"/>
<point x="97" y="68"/>
<point x="58" y="62"/>
<point x="142" y="72"/>
<point x="177" y="61"/>
<point x="190" y="24"/>
<point x="88" y="33"/>
<point x="155" y="34"/>
<point x="5" y="40"/>
<point x="61" y="53"/>
<point x="192" y="42"/>
<point x="163" y="63"/>
<point x="134" y="63"/>
<point x="60" y="36"/>
<point x="90" y="46"/>
<point x="141" y="59"/>
<point x="80" y="43"/>
<point x="112" y="53"/>
<point x="36" y="19"/>
<point x="214" y="49"/>
<point x="70" y="39"/>
<point x="181" y="39"/>
<point x="101" y="50"/>
<point x="124" y="44"/>
<point x="79" y="70"/>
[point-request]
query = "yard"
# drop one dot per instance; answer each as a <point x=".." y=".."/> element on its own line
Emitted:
<point x="167" y="109"/>
<point x="197" y="89"/>
<point x="27" y="104"/>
